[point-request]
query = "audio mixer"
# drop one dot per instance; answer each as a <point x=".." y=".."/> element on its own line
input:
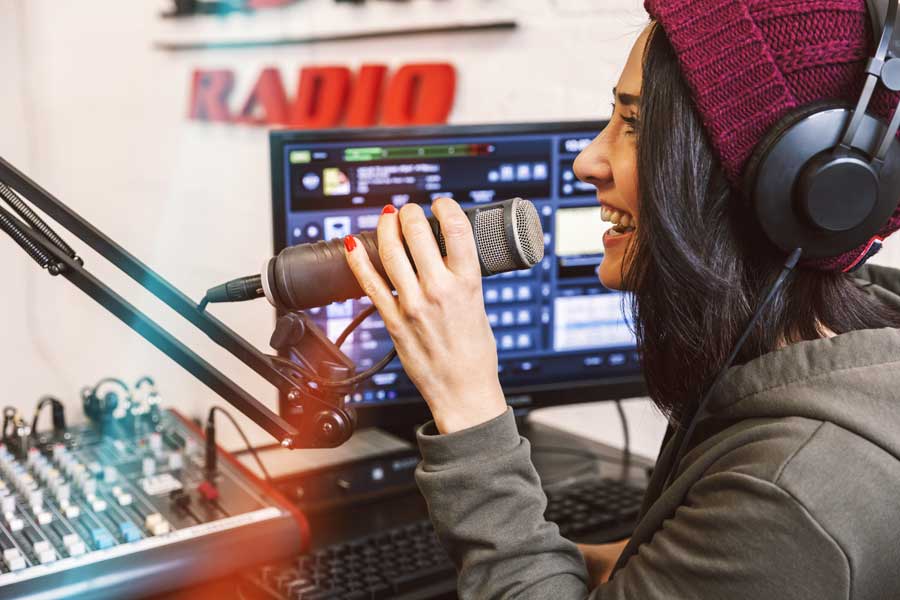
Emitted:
<point x="126" y="507"/>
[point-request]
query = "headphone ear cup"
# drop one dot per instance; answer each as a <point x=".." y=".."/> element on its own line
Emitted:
<point x="806" y="195"/>
<point x="751" y="170"/>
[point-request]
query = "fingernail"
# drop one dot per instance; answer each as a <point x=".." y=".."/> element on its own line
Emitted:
<point x="349" y="243"/>
<point x="388" y="209"/>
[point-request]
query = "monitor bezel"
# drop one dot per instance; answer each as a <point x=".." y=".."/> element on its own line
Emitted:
<point x="408" y="410"/>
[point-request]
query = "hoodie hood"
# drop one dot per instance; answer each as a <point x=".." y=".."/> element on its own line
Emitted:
<point x="851" y="380"/>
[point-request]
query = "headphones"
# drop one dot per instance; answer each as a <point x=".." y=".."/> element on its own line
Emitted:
<point x="826" y="178"/>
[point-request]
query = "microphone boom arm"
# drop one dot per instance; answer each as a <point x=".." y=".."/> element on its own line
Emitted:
<point x="309" y="432"/>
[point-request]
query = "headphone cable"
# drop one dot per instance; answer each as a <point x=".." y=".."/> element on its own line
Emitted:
<point x="789" y="266"/>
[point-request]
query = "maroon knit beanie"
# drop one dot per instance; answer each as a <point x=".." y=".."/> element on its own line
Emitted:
<point x="751" y="62"/>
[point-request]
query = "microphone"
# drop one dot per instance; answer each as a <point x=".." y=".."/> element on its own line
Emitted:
<point x="508" y="237"/>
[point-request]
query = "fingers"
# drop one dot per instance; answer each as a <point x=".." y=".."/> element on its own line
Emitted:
<point x="372" y="284"/>
<point x="421" y="243"/>
<point x="462" y="255"/>
<point x="393" y="253"/>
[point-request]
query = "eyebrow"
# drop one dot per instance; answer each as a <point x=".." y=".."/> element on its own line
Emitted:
<point x="626" y="99"/>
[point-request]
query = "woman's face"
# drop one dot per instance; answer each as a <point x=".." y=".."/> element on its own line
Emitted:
<point x="610" y="165"/>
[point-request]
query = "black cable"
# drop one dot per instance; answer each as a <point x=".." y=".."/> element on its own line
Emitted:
<point x="9" y="414"/>
<point x="58" y="408"/>
<point x="356" y="322"/>
<point x="211" y="417"/>
<point x="626" y="434"/>
<point x="350" y="381"/>
<point x="789" y="266"/>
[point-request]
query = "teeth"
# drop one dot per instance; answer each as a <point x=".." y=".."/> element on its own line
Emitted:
<point x="616" y="217"/>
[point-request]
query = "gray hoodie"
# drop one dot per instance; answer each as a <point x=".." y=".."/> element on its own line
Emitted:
<point x="793" y="490"/>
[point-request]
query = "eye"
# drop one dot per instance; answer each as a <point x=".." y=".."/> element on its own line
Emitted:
<point x="631" y="121"/>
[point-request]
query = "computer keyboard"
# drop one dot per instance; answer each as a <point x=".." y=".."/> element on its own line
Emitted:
<point x="409" y="563"/>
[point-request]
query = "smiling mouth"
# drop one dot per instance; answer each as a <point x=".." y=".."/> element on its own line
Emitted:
<point x="623" y="222"/>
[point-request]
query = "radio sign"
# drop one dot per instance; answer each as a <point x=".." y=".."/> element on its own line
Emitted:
<point x="329" y="96"/>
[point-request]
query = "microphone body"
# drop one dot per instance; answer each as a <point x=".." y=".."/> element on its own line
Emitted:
<point x="508" y="237"/>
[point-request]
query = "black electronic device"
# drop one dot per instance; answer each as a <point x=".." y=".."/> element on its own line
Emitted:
<point x="561" y="336"/>
<point x="124" y="506"/>
<point x="826" y="177"/>
<point x="407" y="562"/>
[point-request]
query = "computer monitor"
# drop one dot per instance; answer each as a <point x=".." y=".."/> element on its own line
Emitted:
<point x="561" y="336"/>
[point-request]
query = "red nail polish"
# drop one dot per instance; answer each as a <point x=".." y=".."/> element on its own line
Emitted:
<point x="388" y="209"/>
<point x="349" y="243"/>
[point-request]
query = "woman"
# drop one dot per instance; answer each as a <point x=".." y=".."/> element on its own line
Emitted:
<point x="790" y="485"/>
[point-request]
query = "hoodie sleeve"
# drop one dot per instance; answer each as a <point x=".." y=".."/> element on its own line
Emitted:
<point x="735" y="536"/>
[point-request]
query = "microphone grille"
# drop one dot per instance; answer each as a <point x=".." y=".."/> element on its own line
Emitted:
<point x="492" y="243"/>
<point x="529" y="233"/>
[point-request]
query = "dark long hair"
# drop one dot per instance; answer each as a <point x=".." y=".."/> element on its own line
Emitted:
<point x="698" y="265"/>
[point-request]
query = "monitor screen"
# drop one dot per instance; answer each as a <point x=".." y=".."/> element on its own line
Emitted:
<point x="556" y="326"/>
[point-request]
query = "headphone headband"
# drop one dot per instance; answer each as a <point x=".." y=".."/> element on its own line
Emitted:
<point x="827" y="179"/>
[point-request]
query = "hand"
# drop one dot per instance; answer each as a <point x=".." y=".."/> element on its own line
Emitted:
<point x="437" y="319"/>
<point x="600" y="560"/>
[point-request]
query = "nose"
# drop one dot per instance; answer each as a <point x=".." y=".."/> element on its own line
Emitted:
<point x="592" y="164"/>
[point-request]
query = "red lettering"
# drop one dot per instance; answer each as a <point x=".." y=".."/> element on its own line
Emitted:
<point x="267" y="98"/>
<point x="209" y="95"/>
<point x="321" y="97"/>
<point x="417" y="94"/>
<point x="420" y="94"/>
<point x="362" y="110"/>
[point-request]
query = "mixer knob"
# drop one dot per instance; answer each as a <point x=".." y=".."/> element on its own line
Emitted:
<point x="149" y="466"/>
<point x="176" y="461"/>
<point x="8" y="504"/>
<point x="76" y="549"/>
<point x="10" y="553"/>
<point x="59" y="451"/>
<point x="109" y="474"/>
<point x="63" y="492"/>
<point x="36" y="499"/>
<point x="33" y="454"/>
<point x="156" y="443"/>
<point x="191" y="446"/>
<point x="13" y="559"/>
<point x="27" y="483"/>
<point x="156" y="525"/>
<point x="89" y="487"/>
<point x="15" y="523"/>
